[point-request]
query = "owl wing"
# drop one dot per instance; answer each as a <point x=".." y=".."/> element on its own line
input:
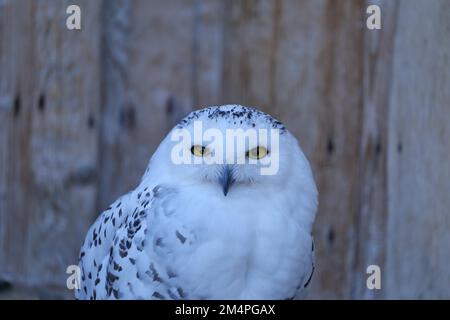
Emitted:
<point x="113" y="263"/>
<point x="311" y="273"/>
<point x="305" y="280"/>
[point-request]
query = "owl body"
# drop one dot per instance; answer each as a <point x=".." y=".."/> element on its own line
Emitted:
<point x="174" y="237"/>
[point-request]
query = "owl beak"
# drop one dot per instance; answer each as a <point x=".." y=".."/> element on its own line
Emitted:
<point x="226" y="179"/>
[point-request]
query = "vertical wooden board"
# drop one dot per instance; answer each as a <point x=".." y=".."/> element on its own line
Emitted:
<point x="208" y="52"/>
<point x="14" y="124"/>
<point x="372" y="204"/>
<point x="50" y="167"/>
<point x="147" y="86"/>
<point x="318" y="92"/>
<point x="248" y="53"/>
<point x="419" y="154"/>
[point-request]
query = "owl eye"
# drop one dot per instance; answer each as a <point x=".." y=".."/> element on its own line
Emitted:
<point x="200" y="151"/>
<point x="257" y="153"/>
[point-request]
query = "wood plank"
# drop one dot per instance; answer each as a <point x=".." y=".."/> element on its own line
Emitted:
<point x="248" y="54"/>
<point x="208" y="52"/>
<point x="372" y="203"/>
<point x="419" y="153"/>
<point x="49" y="148"/>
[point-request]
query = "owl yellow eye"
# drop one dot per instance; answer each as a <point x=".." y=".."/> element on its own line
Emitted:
<point x="257" y="153"/>
<point x="200" y="151"/>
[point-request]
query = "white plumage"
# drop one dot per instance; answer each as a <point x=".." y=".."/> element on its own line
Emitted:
<point x="178" y="236"/>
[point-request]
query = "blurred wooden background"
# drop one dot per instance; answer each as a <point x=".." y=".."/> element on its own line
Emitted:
<point x="82" y="111"/>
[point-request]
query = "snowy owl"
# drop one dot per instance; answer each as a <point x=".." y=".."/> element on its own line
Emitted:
<point x="199" y="229"/>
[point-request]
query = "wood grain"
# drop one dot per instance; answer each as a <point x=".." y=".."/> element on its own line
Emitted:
<point x="372" y="159"/>
<point x="419" y="153"/>
<point x="49" y="148"/>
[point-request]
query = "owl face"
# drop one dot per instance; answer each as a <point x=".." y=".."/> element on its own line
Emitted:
<point x="231" y="148"/>
<point x="228" y="155"/>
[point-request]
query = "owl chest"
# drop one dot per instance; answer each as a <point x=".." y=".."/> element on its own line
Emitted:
<point x="240" y="251"/>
